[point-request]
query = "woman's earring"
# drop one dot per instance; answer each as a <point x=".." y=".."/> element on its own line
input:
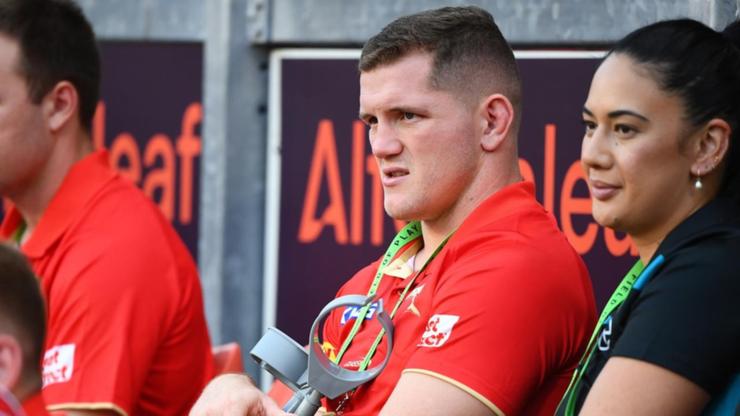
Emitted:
<point x="697" y="183"/>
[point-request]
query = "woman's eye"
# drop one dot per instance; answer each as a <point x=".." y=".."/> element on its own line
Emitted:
<point x="624" y="129"/>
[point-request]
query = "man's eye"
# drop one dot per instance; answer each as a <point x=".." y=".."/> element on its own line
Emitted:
<point x="409" y="116"/>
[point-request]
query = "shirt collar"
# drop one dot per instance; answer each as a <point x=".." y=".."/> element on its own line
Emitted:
<point x="509" y="200"/>
<point x="84" y="179"/>
<point x="717" y="216"/>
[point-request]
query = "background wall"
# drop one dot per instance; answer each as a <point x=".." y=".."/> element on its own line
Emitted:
<point x="236" y="38"/>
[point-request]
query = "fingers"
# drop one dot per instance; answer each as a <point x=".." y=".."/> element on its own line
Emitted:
<point x="231" y="395"/>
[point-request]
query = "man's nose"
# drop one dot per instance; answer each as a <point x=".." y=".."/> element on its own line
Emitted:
<point x="384" y="141"/>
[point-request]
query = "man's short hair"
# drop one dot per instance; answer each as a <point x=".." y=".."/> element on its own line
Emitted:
<point x="22" y="310"/>
<point x="471" y="56"/>
<point x="56" y="43"/>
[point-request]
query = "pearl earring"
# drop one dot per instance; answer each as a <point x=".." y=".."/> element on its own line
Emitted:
<point x="697" y="183"/>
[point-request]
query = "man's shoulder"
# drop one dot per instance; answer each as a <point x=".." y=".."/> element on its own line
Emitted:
<point x="121" y="210"/>
<point x="508" y="216"/>
<point x="120" y="194"/>
<point x="522" y="248"/>
<point x="531" y="232"/>
<point x="120" y="222"/>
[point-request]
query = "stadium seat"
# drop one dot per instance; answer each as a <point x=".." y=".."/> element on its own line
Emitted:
<point x="227" y="358"/>
<point x="280" y="393"/>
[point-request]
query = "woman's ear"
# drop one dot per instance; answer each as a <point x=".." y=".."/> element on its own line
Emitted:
<point x="11" y="361"/>
<point x="497" y="115"/>
<point x="711" y="146"/>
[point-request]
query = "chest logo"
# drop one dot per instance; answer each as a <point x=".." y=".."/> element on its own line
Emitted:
<point x="438" y="330"/>
<point x="411" y="298"/>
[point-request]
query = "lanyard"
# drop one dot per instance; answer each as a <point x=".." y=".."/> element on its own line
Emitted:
<point x="407" y="235"/>
<point x="17" y="237"/>
<point x="635" y="279"/>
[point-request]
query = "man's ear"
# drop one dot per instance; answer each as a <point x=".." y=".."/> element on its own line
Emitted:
<point x="60" y="105"/>
<point x="497" y="115"/>
<point x="11" y="361"/>
<point x="710" y="147"/>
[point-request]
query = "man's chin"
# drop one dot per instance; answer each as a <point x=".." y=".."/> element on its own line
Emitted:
<point x="399" y="214"/>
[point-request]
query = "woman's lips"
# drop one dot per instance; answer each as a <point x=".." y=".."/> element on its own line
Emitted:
<point x="602" y="190"/>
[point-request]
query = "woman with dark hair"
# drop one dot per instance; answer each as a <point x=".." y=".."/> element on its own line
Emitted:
<point x="660" y="155"/>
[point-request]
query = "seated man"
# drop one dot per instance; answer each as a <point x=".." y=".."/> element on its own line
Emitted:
<point x="493" y="308"/>
<point x="22" y="329"/>
<point x="126" y="325"/>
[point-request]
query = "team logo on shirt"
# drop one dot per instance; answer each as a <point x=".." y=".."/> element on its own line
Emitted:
<point x="411" y="298"/>
<point x="59" y="364"/>
<point x="438" y="330"/>
<point x="605" y="340"/>
<point x="352" y="312"/>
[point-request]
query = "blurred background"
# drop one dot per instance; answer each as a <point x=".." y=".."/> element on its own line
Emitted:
<point x="238" y="117"/>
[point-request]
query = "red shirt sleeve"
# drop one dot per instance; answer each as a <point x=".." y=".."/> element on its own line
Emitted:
<point x="109" y="305"/>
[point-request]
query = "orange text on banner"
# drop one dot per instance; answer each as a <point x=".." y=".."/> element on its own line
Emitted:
<point x="126" y="156"/>
<point x="347" y="228"/>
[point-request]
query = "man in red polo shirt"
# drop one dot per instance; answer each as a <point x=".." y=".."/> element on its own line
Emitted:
<point x="22" y="329"/>
<point x="126" y="328"/>
<point x="493" y="308"/>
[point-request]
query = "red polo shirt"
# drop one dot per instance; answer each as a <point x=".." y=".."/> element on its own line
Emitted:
<point x="32" y="406"/>
<point x="503" y="312"/>
<point x="35" y="405"/>
<point x="126" y="328"/>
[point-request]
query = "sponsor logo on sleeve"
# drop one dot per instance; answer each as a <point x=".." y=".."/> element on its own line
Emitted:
<point x="352" y="312"/>
<point x="438" y="330"/>
<point x="59" y="364"/>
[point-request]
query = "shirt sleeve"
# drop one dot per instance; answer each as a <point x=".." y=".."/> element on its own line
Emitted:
<point x="107" y="314"/>
<point x="504" y="324"/>
<point x="686" y="319"/>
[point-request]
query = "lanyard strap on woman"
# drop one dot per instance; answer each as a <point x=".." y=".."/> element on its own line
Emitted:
<point x="635" y="279"/>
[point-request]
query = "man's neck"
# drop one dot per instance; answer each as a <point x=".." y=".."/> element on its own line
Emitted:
<point x="435" y="231"/>
<point x="489" y="180"/>
<point x="34" y="197"/>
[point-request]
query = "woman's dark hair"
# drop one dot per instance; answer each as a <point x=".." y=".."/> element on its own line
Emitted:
<point x="702" y="66"/>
